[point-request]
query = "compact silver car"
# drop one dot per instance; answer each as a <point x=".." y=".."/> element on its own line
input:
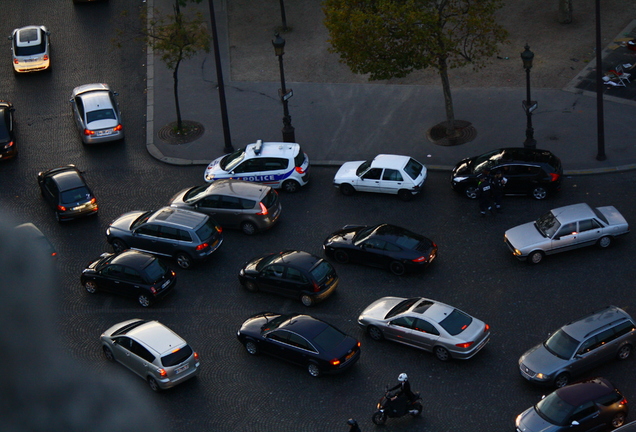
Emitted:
<point x="152" y="351"/>
<point x="566" y="228"/>
<point x="425" y="324"/>
<point x="579" y="346"/>
<point x="31" y="48"/>
<point x="96" y="113"/>
<point x="250" y="207"/>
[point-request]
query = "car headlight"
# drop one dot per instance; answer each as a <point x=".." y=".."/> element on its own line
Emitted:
<point x="541" y="376"/>
<point x="108" y="231"/>
<point x="209" y="177"/>
<point x="242" y="272"/>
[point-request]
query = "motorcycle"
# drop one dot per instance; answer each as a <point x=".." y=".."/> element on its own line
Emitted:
<point x="396" y="404"/>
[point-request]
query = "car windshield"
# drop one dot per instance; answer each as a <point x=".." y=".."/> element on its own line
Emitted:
<point x="155" y="270"/>
<point x="487" y="161"/>
<point x="364" y="166"/>
<point x="141" y="220"/>
<point x="362" y="235"/>
<point x="547" y="224"/>
<point x="554" y="409"/>
<point x="265" y="261"/>
<point x="329" y="338"/>
<point x="176" y="357"/>
<point x="102" y="114"/>
<point x="322" y="271"/>
<point x="75" y="195"/>
<point x="413" y="168"/>
<point x="561" y="344"/>
<point x="195" y="194"/>
<point x="229" y="162"/>
<point x="275" y="323"/>
<point x="456" y="322"/>
<point x="403" y="306"/>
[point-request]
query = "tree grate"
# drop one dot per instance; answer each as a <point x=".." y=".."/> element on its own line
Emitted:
<point x="465" y="132"/>
<point x="190" y="131"/>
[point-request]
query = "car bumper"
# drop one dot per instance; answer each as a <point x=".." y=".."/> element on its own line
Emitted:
<point x="8" y="154"/>
<point x="465" y="355"/>
<point x="326" y="293"/>
<point x="174" y="381"/>
<point x="200" y="256"/>
<point x="345" y="365"/>
<point x="26" y="67"/>
<point x="531" y="376"/>
<point x="93" y="139"/>
<point x="74" y="214"/>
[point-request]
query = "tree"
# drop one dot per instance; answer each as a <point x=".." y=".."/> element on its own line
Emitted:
<point x="177" y="37"/>
<point x="392" y="38"/>
<point x="565" y="11"/>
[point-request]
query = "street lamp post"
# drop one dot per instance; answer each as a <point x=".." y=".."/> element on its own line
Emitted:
<point x="288" y="130"/>
<point x="528" y="104"/>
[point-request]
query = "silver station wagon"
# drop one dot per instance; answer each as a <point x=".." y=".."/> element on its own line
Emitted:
<point x="566" y="228"/>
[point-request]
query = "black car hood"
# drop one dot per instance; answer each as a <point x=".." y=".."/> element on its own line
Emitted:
<point x="464" y="167"/>
<point x="344" y="235"/>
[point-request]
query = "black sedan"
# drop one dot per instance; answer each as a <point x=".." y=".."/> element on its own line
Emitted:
<point x="295" y="274"/>
<point x="8" y="148"/>
<point x="300" y="339"/>
<point x="130" y="273"/>
<point x="383" y="245"/>
<point x="65" y="189"/>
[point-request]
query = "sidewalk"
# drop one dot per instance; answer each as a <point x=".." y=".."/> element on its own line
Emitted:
<point x="339" y="122"/>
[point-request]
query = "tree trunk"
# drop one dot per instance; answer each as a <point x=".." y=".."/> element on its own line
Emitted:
<point x="175" y="76"/>
<point x="565" y="11"/>
<point x="448" y="99"/>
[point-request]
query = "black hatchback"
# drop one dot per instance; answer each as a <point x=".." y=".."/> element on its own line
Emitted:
<point x="131" y="274"/>
<point x="8" y="148"/>
<point x="529" y="172"/>
<point x="65" y="189"/>
<point x="295" y="274"/>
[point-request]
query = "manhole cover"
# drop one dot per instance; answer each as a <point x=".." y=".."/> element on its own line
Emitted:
<point x="465" y="133"/>
<point x="190" y="131"/>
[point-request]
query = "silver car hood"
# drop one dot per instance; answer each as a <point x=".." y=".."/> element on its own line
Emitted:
<point x="347" y="171"/>
<point x="526" y="236"/>
<point x="379" y="308"/>
<point x="539" y="359"/>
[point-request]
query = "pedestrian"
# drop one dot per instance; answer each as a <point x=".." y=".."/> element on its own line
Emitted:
<point x="484" y="193"/>
<point x="498" y="183"/>
<point x="353" y="425"/>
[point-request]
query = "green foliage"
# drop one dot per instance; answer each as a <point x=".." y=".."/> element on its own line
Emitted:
<point x="392" y="38"/>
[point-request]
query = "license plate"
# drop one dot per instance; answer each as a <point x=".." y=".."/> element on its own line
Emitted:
<point x="80" y="207"/>
<point x="351" y="354"/>
<point x="165" y="284"/>
<point x="181" y="368"/>
<point x="104" y="132"/>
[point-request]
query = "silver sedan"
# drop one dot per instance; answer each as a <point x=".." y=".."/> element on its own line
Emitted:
<point x="565" y="228"/>
<point x="425" y="324"/>
<point x="96" y="113"/>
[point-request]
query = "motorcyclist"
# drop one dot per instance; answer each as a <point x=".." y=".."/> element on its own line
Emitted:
<point x="405" y="387"/>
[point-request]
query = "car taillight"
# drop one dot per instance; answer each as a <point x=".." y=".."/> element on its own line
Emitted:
<point x="464" y="345"/>
<point x="316" y="287"/>
<point x="46" y="57"/>
<point x="196" y="355"/>
<point x="299" y="170"/>
<point x="486" y="328"/>
<point x="15" y="61"/>
<point x="93" y="200"/>
<point x="89" y="132"/>
<point x="153" y="290"/>
<point x="420" y="259"/>
<point x="554" y="177"/>
<point x="53" y="254"/>
<point x="624" y="401"/>
<point x="172" y="272"/>
<point x="118" y="128"/>
<point x="162" y="372"/>
<point x="8" y="145"/>
<point x="202" y="246"/>
<point x="335" y="362"/>
<point x="263" y="211"/>
<point x="358" y="344"/>
<point x="219" y="229"/>
<point x="61" y="208"/>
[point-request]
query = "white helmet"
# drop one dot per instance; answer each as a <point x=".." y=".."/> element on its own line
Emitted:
<point x="403" y="377"/>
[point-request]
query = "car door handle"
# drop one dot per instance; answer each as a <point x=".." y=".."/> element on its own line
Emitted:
<point x="116" y="282"/>
<point x="595" y="415"/>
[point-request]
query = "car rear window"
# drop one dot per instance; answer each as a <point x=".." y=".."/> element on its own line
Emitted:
<point x="206" y="230"/>
<point x="413" y="168"/>
<point x="270" y="199"/>
<point x="176" y="357"/>
<point x="456" y="322"/>
<point x="322" y="271"/>
<point x="329" y="338"/>
<point x="155" y="270"/>
<point x="30" y="35"/>
<point x="300" y="157"/>
<point x="102" y="114"/>
<point x="600" y="215"/>
<point x="75" y="195"/>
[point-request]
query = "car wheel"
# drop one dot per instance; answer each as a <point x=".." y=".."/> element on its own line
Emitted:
<point x="108" y="354"/>
<point x="397" y="268"/>
<point x="248" y="228"/>
<point x="624" y="352"/>
<point x="539" y="193"/>
<point x="251" y="286"/>
<point x="441" y="353"/>
<point x="184" y="260"/>
<point x="119" y="245"/>
<point x="313" y="370"/>
<point x="405" y="195"/>
<point x="341" y="256"/>
<point x="471" y="192"/>
<point x="307" y="300"/>
<point x="251" y="347"/>
<point x="604" y="242"/>
<point x="291" y="186"/>
<point x="153" y="384"/>
<point x="144" y="300"/>
<point x="618" y="420"/>
<point x="535" y="257"/>
<point x="90" y="286"/>
<point x="346" y="189"/>
<point x="379" y="418"/>
<point x="561" y="380"/>
<point x="375" y="333"/>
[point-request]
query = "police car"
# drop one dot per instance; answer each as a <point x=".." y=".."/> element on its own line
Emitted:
<point x="276" y="164"/>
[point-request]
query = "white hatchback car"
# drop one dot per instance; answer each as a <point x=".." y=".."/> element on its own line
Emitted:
<point x="391" y="174"/>
<point x="30" y="46"/>
<point x="96" y="113"/>
<point x="280" y="165"/>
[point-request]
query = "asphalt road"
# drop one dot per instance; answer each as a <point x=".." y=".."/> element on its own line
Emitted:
<point x="474" y="270"/>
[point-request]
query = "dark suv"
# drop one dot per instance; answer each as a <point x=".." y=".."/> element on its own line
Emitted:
<point x="590" y="405"/>
<point x="185" y="235"/>
<point x="579" y="346"/>
<point x="529" y="172"/>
